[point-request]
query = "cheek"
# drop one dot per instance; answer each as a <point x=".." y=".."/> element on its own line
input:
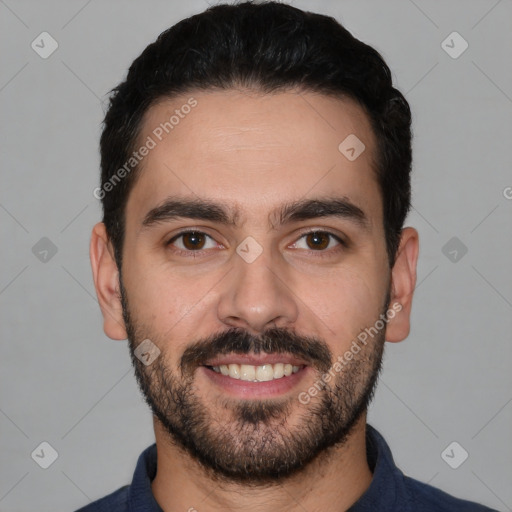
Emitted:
<point x="161" y="303"/>
<point x="157" y="299"/>
<point x="347" y="304"/>
<point x="170" y="305"/>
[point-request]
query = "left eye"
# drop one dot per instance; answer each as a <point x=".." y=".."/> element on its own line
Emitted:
<point x="319" y="240"/>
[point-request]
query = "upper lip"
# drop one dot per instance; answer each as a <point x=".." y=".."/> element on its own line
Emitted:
<point x="255" y="359"/>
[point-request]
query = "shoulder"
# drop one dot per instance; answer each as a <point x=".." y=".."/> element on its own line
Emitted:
<point x="424" y="497"/>
<point x="115" y="502"/>
<point x="401" y="492"/>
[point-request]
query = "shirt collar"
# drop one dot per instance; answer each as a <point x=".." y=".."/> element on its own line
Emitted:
<point x="141" y="497"/>
<point x="387" y="488"/>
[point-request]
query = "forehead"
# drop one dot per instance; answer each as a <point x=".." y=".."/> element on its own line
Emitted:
<point x="255" y="151"/>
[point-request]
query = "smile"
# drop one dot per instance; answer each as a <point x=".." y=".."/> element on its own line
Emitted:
<point x="256" y="376"/>
<point x="251" y="373"/>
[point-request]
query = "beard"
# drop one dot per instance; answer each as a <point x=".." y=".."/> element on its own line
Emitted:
<point x="252" y="441"/>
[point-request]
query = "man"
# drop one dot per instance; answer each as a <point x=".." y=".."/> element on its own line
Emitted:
<point x="255" y="181"/>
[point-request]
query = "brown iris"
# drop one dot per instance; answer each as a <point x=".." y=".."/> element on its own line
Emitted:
<point x="193" y="240"/>
<point x="320" y="240"/>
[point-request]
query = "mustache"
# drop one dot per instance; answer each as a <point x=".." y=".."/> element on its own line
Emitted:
<point x="272" y="341"/>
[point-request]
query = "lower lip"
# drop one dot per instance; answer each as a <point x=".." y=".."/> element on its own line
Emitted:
<point x="247" y="389"/>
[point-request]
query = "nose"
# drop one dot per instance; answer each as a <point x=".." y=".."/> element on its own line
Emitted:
<point x="258" y="296"/>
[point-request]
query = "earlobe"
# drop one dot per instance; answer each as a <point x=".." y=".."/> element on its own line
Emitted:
<point x="403" y="282"/>
<point x="106" y="282"/>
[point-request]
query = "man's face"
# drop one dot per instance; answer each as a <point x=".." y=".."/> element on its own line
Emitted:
<point x="268" y="290"/>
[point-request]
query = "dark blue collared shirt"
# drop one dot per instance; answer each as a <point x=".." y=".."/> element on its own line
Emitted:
<point x="389" y="491"/>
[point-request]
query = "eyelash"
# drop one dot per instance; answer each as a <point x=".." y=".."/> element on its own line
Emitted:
<point x="319" y="253"/>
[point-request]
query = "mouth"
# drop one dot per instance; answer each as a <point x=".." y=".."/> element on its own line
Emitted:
<point x="256" y="376"/>
<point x="261" y="373"/>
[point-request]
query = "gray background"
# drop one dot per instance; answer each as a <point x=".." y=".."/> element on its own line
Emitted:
<point x="63" y="381"/>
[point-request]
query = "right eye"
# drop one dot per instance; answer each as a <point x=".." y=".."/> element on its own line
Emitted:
<point x="192" y="242"/>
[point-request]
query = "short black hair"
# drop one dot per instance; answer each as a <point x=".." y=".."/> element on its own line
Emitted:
<point x="266" y="47"/>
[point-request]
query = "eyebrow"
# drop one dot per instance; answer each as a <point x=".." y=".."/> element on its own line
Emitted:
<point x="203" y="209"/>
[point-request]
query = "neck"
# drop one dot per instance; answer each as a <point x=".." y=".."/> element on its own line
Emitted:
<point x="332" y="482"/>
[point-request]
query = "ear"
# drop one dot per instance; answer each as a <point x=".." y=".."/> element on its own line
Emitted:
<point x="403" y="282"/>
<point x="106" y="282"/>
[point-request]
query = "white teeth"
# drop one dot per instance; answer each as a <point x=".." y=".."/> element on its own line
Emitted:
<point x="278" y="370"/>
<point x="264" y="373"/>
<point x="247" y="372"/>
<point x="234" y="371"/>
<point x="252" y="373"/>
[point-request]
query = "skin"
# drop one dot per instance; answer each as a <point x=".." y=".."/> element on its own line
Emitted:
<point x="256" y="152"/>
